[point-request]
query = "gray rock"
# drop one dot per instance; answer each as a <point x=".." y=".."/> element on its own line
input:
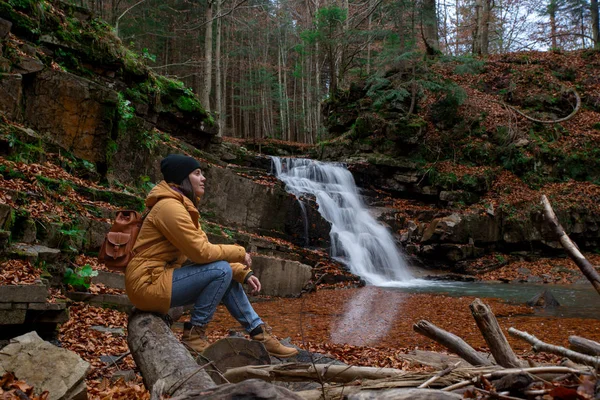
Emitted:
<point x="110" y="279"/>
<point x="23" y="293"/>
<point x="5" y="64"/>
<point x="46" y="367"/>
<point x="5" y="27"/>
<point x="35" y="252"/>
<point x="544" y="299"/>
<point x="29" y="231"/>
<point x="11" y="93"/>
<point x="12" y="317"/>
<point x="281" y="277"/>
<point x="534" y="279"/>
<point x="28" y="65"/>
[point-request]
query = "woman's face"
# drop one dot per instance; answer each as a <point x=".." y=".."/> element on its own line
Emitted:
<point x="197" y="180"/>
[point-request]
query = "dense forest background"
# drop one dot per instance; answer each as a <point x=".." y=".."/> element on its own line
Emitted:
<point x="265" y="67"/>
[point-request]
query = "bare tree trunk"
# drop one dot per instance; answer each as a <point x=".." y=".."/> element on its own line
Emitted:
<point x="218" y="82"/>
<point x="492" y="333"/>
<point x="585" y="346"/>
<point x="429" y="25"/>
<point x="478" y="24"/>
<point x="595" y="23"/>
<point x="207" y="73"/>
<point x="484" y="29"/>
<point x="584" y="265"/>
<point x="553" y="31"/>
<point x="451" y="342"/>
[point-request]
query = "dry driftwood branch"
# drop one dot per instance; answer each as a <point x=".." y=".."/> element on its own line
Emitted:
<point x="437" y="376"/>
<point x="555" y="121"/>
<point x="492" y="333"/>
<point x="451" y="342"/>
<point x="584" y="265"/>
<point x="538" y="345"/>
<point x="585" y="346"/>
<point x="297" y="372"/>
<point x="508" y="371"/>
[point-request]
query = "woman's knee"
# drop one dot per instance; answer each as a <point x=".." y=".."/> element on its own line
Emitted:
<point x="225" y="269"/>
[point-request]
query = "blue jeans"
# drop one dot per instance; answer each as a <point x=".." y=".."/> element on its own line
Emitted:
<point x="207" y="285"/>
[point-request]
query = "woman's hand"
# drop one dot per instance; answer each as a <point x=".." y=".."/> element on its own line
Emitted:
<point x="247" y="261"/>
<point x="254" y="284"/>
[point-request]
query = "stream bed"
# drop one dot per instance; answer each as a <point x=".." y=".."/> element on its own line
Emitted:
<point x="576" y="301"/>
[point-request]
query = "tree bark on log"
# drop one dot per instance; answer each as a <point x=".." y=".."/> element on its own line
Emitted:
<point x="585" y="346"/>
<point x="296" y="372"/>
<point x="451" y="342"/>
<point x="584" y="265"/>
<point x="538" y="345"/>
<point x="168" y="368"/>
<point x="358" y="393"/>
<point x="163" y="361"/>
<point x="492" y="333"/>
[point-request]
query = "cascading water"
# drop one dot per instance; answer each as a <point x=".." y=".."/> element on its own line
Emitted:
<point x="357" y="239"/>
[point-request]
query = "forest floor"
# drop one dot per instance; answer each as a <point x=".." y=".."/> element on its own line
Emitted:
<point x="366" y="326"/>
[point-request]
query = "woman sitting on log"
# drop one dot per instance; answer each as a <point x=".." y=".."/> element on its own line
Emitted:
<point x="178" y="265"/>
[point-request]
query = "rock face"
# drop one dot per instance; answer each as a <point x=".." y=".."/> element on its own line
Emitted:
<point x="280" y="277"/>
<point x="77" y="114"/>
<point x="46" y="367"/>
<point x="231" y="199"/>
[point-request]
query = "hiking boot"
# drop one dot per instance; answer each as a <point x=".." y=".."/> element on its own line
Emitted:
<point x="194" y="337"/>
<point x="273" y="346"/>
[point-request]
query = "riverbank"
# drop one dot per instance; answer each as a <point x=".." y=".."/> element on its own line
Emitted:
<point x="369" y="326"/>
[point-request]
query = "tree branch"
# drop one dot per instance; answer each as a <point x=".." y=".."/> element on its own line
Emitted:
<point x="584" y="265"/>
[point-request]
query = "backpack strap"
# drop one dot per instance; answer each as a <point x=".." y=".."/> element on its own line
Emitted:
<point x="151" y="243"/>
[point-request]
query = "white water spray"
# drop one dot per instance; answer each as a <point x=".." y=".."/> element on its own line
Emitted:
<point x="357" y="239"/>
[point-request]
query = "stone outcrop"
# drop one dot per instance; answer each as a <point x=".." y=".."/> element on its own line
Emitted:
<point x="231" y="199"/>
<point x="46" y="367"/>
<point x="280" y="277"/>
<point x="26" y="307"/>
<point x="73" y="112"/>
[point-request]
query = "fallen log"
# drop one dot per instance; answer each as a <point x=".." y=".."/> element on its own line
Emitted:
<point x="492" y="333"/>
<point x="538" y="345"/>
<point x="162" y="359"/>
<point x="583" y="345"/>
<point x="168" y="369"/>
<point x="297" y="372"/>
<point x="451" y="342"/>
<point x="584" y="265"/>
<point x="358" y="393"/>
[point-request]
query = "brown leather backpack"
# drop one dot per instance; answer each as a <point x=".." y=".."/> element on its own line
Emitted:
<point x="117" y="248"/>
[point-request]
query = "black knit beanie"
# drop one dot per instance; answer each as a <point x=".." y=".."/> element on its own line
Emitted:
<point x="176" y="167"/>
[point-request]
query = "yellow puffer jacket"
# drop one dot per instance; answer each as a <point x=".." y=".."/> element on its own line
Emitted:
<point x="174" y="219"/>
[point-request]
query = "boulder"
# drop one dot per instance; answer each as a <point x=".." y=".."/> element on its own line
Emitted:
<point x="46" y="367"/>
<point x="280" y="277"/>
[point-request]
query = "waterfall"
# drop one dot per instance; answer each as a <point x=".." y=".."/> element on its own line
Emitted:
<point x="357" y="239"/>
